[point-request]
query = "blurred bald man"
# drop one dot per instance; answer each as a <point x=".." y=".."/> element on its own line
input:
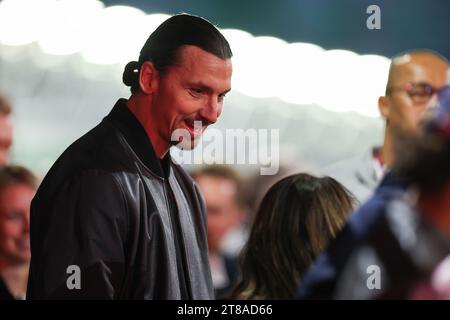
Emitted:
<point x="414" y="78"/>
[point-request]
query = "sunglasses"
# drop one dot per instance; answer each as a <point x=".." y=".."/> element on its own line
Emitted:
<point x="418" y="92"/>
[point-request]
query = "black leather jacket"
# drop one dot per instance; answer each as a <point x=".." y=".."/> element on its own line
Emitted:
<point x="134" y="225"/>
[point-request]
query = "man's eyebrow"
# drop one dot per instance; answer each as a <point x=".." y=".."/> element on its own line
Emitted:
<point x="202" y="86"/>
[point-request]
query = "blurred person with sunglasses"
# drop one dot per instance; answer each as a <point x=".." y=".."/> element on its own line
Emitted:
<point x="414" y="80"/>
<point x="410" y="243"/>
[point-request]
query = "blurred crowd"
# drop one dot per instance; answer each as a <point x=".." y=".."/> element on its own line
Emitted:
<point x="376" y="226"/>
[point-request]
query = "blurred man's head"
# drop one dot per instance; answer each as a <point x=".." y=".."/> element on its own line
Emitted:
<point x="6" y="131"/>
<point x="224" y="196"/>
<point x="414" y="78"/>
<point x="17" y="189"/>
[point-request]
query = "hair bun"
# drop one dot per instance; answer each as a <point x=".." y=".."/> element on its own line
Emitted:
<point x="131" y="73"/>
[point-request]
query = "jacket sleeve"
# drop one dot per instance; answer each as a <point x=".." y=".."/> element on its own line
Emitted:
<point x="78" y="237"/>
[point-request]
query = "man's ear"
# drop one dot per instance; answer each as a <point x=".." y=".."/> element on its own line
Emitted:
<point x="384" y="106"/>
<point x="148" y="78"/>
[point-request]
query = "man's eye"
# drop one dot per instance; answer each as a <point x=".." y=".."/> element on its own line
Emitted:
<point x="418" y="92"/>
<point x="196" y="91"/>
<point x="222" y="96"/>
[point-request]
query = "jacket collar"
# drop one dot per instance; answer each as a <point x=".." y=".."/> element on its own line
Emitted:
<point x="136" y="136"/>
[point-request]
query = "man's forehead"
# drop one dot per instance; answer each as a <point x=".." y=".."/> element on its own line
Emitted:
<point x="191" y="55"/>
<point x="200" y="68"/>
<point x="418" y="67"/>
<point x="425" y="57"/>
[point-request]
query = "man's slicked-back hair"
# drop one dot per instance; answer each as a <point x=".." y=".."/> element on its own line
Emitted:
<point x="163" y="45"/>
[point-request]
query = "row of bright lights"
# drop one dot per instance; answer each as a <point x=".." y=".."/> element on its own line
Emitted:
<point x="299" y="73"/>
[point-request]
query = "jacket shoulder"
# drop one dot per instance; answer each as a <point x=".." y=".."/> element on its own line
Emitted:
<point x="100" y="149"/>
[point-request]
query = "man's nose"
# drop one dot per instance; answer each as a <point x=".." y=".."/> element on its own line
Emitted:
<point x="211" y="111"/>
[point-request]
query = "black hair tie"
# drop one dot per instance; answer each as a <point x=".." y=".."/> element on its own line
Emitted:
<point x="131" y="73"/>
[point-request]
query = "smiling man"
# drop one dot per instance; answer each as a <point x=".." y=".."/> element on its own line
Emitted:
<point x="116" y="218"/>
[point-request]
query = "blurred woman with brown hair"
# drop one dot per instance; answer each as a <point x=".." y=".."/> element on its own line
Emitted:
<point x="297" y="218"/>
